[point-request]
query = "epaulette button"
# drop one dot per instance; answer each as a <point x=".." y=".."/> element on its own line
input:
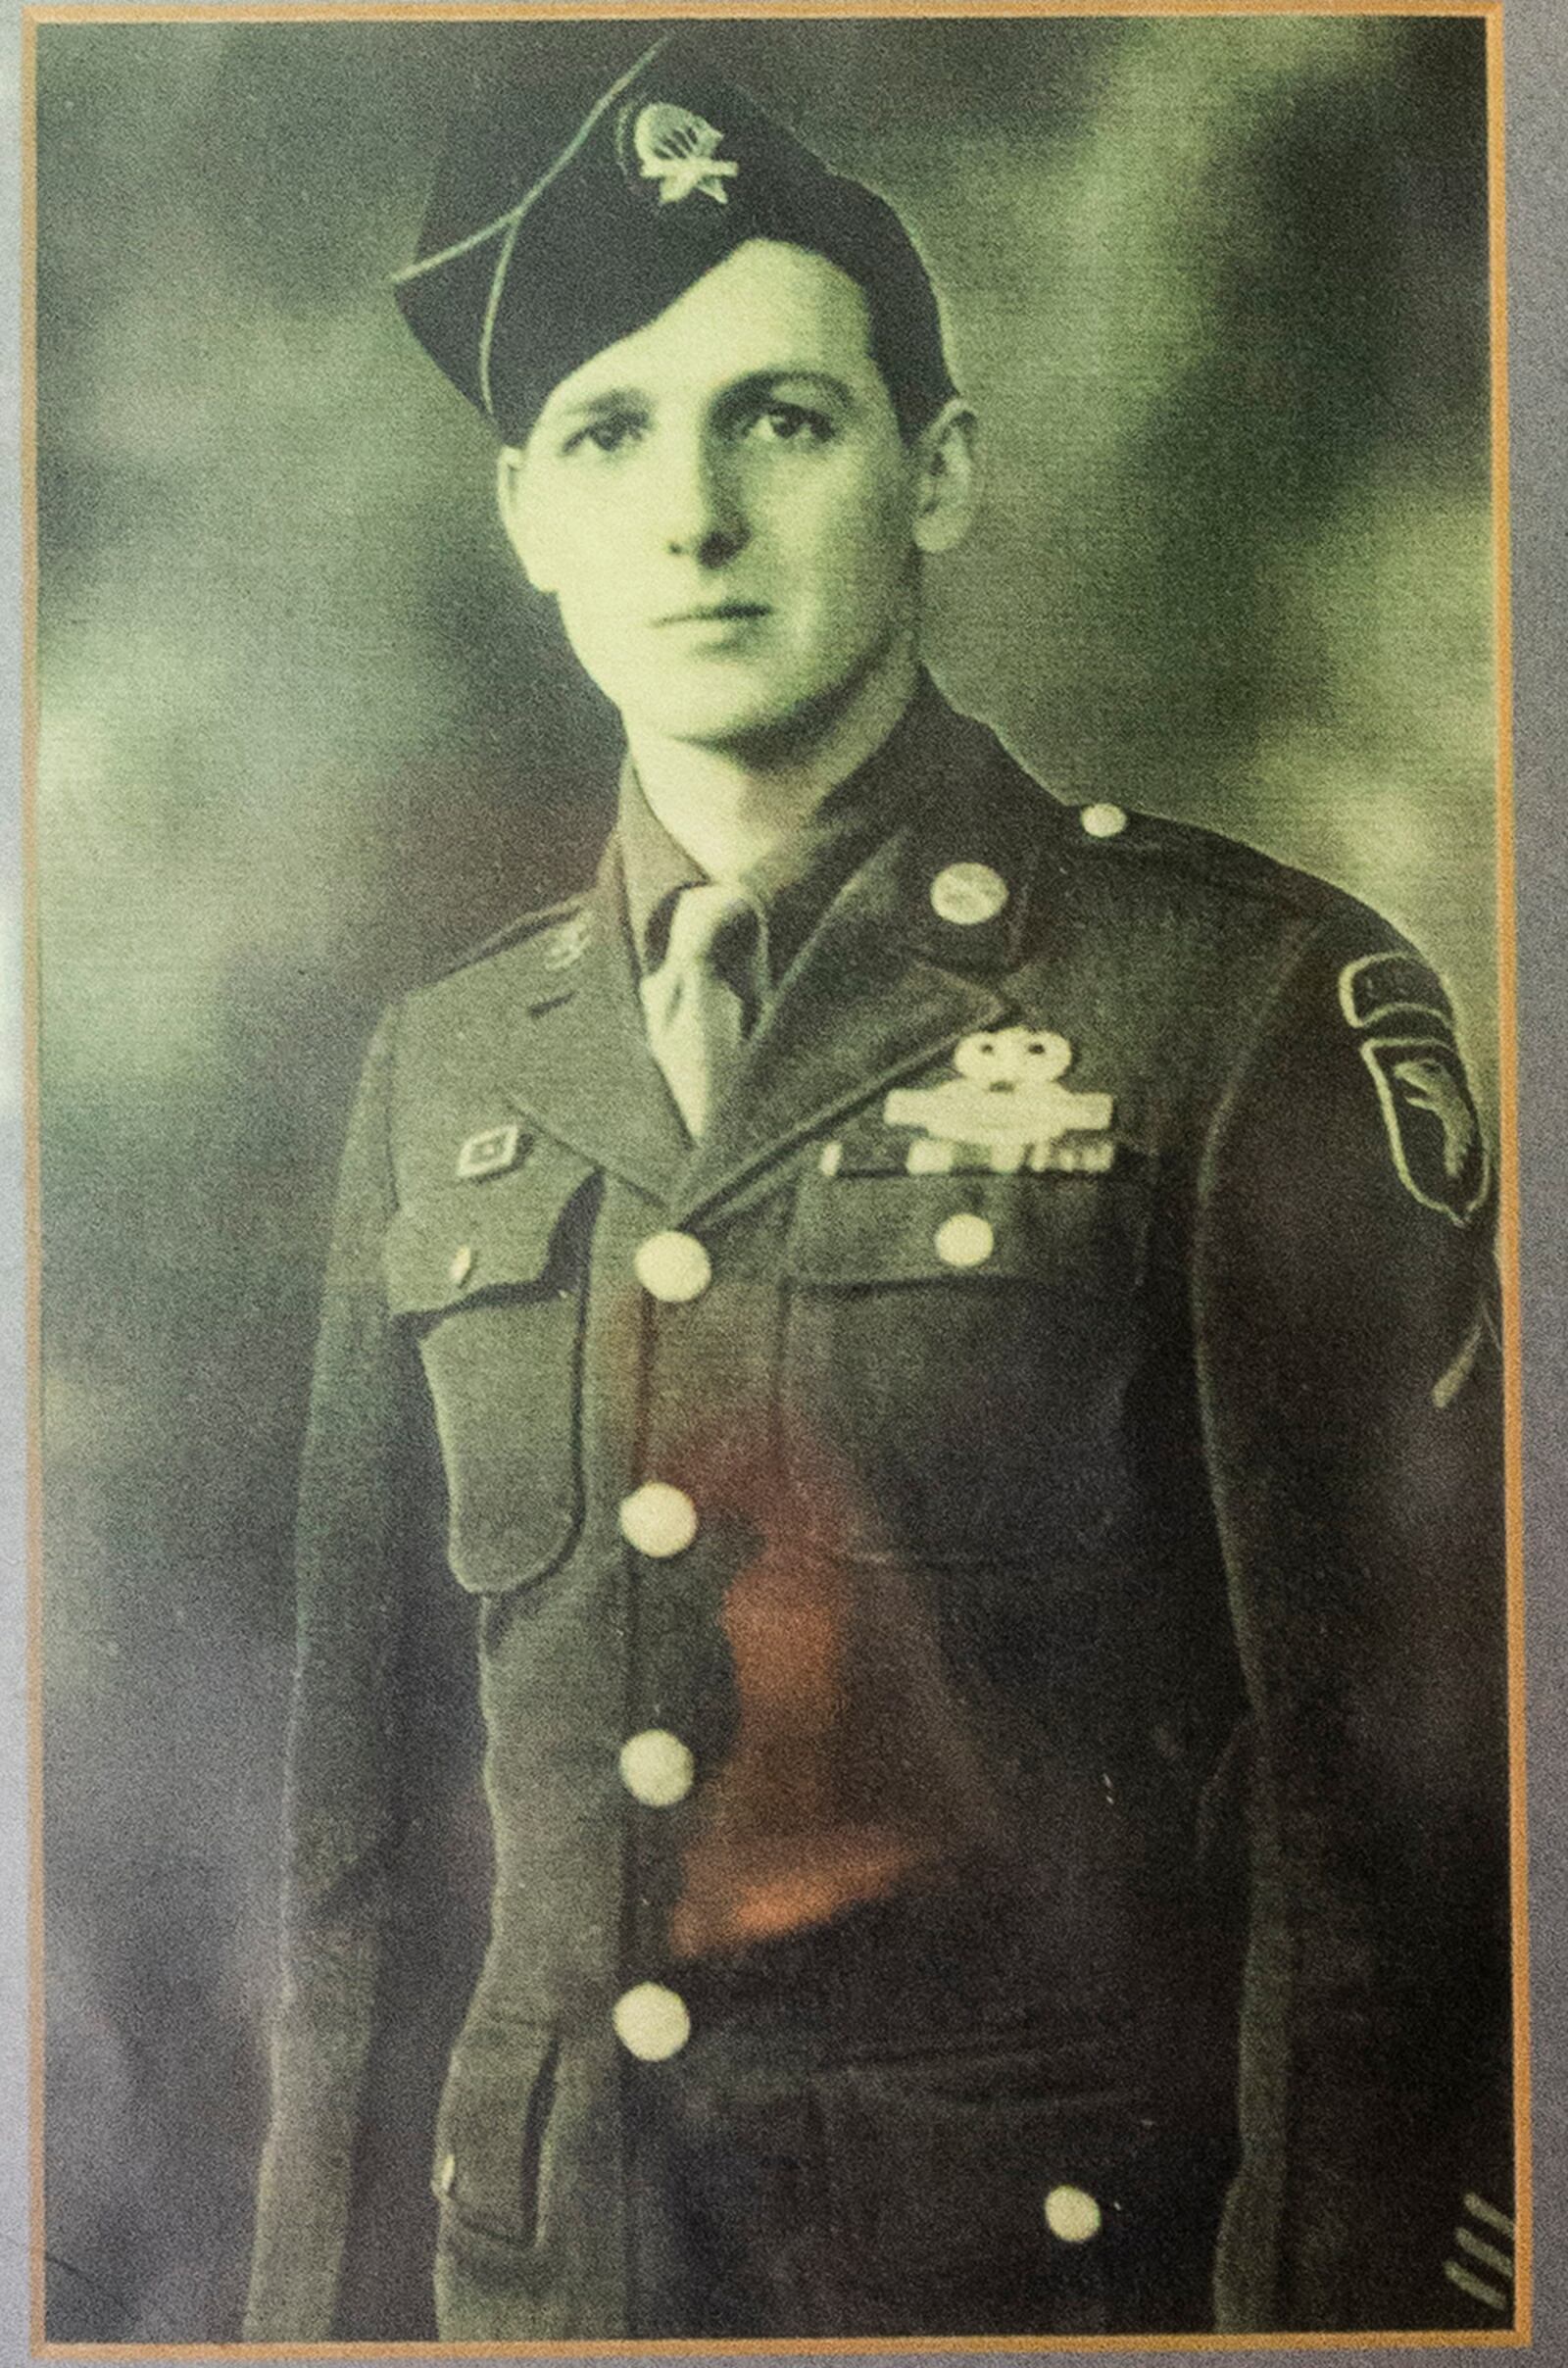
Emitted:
<point x="1103" y="821"/>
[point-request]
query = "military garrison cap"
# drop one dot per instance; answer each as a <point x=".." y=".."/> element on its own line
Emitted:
<point x="530" y="263"/>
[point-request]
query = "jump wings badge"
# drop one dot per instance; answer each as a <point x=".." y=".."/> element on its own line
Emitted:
<point x="1006" y="1109"/>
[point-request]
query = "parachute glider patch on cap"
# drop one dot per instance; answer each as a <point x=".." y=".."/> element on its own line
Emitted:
<point x="679" y="151"/>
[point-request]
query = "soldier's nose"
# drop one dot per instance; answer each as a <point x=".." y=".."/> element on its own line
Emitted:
<point x="702" y="518"/>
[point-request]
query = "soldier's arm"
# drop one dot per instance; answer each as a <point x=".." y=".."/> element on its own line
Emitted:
<point x="1348" y="1341"/>
<point x="342" y="1802"/>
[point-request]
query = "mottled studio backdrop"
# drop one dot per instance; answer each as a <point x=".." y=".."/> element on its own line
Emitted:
<point x="1218" y="289"/>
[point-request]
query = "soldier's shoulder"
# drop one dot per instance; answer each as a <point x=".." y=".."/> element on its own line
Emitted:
<point x="1153" y="850"/>
<point x="1140" y="855"/>
<point x="549" y="936"/>
<point x="1212" y="888"/>
<point x="545" y="931"/>
<point x="1243" y="933"/>
<point x="1216" y="916"/>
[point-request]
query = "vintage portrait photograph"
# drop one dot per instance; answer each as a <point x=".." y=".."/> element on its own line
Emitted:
<point x="778" y="1567"/>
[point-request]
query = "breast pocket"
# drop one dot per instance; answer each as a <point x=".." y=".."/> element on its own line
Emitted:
<point x="958" y="1354"/>
<point x="977" y="2193"/>
<point x="492" y="1276"/>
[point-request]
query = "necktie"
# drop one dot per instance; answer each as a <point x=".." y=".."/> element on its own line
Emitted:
<point x="697" y="1017"/>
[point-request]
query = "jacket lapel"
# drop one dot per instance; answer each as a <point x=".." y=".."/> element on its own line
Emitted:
<point x="885" y="983"/>
<point x="577" y="1056"/>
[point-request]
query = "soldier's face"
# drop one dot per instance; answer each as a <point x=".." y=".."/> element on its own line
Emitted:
<point x="725" y="509"/>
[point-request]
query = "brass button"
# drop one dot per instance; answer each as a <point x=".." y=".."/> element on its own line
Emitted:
<point x="968" y="893"/>
<point x="964" y="1240"/>
<point x="659" y="1519"/>
<point x="447" y="2176"/>
<point x="461" y="1265"/>
<point x="657" y="1768"/>
<point x="1072" y="2214"/>
<point x="672" y="1267"/>
<point x="652" y="2022"/>
<point x="1105" y="820"/>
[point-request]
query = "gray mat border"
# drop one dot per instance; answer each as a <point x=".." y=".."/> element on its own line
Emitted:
<point x="1536" y="51"/>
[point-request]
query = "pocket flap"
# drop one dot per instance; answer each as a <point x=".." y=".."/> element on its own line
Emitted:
<point x="490" y="2128"/>
<point x="850" y="1229"/>
<point x="941" y="2160"/>
<point x="494" y="1233"/>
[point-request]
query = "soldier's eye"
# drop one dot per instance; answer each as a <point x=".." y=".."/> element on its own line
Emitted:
<point x="608" y="433"/>
<point x="787" y="422"/>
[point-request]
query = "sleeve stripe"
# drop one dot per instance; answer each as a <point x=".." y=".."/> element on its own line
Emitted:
<point x="1489" y="2215"/>
<point x="1480" y="2250"/>
<point x="1445" y="1389"/>
<point x="1492" y="2295"/>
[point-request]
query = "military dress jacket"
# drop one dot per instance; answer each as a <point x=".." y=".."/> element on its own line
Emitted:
<point x="990" y="1616"/>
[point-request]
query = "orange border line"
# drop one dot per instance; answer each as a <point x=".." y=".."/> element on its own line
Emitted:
<point x="163" y="12"/>
<point x="472" y="12"/>
<point x="1508" y="1197"/>
<point x="1480" y="2339"/>
<point x="32" y="1157"/>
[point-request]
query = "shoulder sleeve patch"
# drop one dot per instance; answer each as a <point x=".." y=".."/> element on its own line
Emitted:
<point x="1439" y="1152"/>
<point x="1376" y="985"/>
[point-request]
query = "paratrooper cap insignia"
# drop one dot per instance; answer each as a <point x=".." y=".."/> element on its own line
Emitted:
<point x="679" y="151"/>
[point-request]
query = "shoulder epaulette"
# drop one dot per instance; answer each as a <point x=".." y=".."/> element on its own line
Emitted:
<point x="1230" y="865"/>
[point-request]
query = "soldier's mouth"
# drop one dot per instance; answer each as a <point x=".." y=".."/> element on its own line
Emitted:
<point x="714" y="613"/>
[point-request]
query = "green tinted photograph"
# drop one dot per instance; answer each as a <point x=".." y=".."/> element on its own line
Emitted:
<point x="771" y="1096"/>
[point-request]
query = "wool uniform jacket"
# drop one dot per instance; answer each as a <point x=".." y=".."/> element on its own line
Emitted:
<point x="989" y="1619"/>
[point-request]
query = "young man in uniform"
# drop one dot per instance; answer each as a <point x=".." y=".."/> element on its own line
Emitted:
<point x="958" y="1334"/>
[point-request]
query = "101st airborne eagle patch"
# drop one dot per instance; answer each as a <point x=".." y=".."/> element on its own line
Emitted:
<point x="1006" y="1109"/>
<point x="1435" y="1134"/>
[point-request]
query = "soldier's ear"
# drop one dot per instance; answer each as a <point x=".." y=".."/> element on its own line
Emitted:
<point x="521" y="516"/>
<point x="945" y="453"/>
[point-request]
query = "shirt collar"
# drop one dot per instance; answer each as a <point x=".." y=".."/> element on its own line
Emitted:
<point x="794" y="883"/>
<point x="655" y="866"/>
